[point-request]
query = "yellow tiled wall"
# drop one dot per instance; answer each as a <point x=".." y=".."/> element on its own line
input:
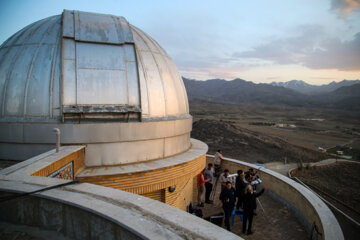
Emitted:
<point x="150" y="183"/>
<point x="77" y="158"/>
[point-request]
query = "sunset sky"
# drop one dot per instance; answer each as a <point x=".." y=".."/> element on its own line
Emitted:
<point x="317" y="41"/>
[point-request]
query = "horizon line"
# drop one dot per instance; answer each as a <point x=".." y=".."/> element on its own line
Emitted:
<point x="229" y="80"/>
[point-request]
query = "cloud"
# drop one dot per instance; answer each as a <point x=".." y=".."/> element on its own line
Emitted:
<point x="335" y="54"/>
<point x="345" y="7"/>
<point x="311" y="48"/>
<point x="286" y="50"/>
<point x="212" y="72"/>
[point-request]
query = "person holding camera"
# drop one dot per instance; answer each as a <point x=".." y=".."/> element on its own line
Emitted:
<point x="249" y="205"/>
<point x="227" y="197"/>
<point x="240" y="186"/>
<point x="224" y="178"/>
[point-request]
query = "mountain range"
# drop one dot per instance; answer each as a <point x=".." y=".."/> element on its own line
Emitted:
<point x="303" y="87"/>
<point x="239" y="91"/>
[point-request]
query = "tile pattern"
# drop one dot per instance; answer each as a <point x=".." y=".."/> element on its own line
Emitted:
<point x="66" y="172"/>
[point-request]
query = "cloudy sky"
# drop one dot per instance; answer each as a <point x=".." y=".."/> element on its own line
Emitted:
<point x="317" y="41"/>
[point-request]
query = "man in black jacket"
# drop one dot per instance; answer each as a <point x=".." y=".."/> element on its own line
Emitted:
<point x="249" y="205"/>
<point x="240" y="188"/>
<point x="227" y="197"/>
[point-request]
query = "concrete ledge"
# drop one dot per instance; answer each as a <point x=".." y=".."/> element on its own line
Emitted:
<point x="86" y="211"/>
<point x="311" y="207"/>
<point x="28" y="167"/>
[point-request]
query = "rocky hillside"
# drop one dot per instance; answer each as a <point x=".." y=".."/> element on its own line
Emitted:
<point x="249" y="146"/>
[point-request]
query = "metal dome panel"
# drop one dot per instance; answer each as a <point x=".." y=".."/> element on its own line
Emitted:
<point x="162" y="90"/>
<point x="27" y="71"/>
<point x="86" y="63"/>
<point x="100" y="71"/>
<point x="94" y="27"/>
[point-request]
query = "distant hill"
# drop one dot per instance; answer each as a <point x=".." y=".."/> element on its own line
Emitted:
<point x="297" y="85"/>
<point x="305" y="88"/>
<point x="346" y="97"/>
<point x="239" y="91"/>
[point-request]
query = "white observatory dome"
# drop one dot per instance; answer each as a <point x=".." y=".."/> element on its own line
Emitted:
<point x="101" y="81"/>
<point x="87" y="63"/>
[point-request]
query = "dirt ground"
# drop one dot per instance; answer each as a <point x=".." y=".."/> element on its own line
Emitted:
<point x="309" y="138"/>
<point x="339" y="184"/>
<point x="314" y="127"/>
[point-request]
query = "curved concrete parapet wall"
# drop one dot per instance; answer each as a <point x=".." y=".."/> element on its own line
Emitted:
<point x="312" y="209"/>
<point x="87" y="211"/>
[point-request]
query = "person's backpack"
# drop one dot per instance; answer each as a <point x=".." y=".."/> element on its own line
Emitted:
<point x="190" y="208"/>
<point x="198" y="213"/>
<point x="195" y="211"/>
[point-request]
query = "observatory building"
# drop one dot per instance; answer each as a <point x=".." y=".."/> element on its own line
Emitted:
<point x="114" y="100"/>
<point x="107" y="85"/>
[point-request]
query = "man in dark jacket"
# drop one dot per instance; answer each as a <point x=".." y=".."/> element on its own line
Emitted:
<point x="227" y="197"/>
<point x="249" y="205"/>
<point x="240" y="188"/>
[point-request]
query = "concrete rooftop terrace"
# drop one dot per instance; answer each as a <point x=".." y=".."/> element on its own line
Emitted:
<point x="88" y="204"/>
<point x="275" y="222"/>
<point x="88" y="211"/>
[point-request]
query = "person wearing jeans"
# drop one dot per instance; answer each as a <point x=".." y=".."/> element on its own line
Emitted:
<point x="209" y="174"/>
<point x="200" y="184"/>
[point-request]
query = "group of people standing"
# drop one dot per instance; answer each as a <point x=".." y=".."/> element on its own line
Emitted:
<point x="244" y="191"/>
